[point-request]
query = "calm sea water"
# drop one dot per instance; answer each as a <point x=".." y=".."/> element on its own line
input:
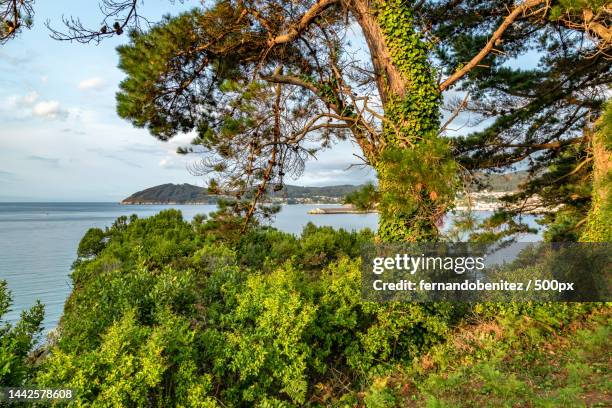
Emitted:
<point x="38" y="243"/>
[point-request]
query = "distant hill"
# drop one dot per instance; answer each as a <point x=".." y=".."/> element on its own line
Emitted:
<point x="171" y="194"/>
<point x="190" y="194"/>
<point x="500" y="182"/>
<point x="339" y="191"/>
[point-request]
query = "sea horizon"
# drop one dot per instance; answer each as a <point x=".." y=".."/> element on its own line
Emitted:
<point x="40" y="240"/>
<point x="55" y="229"/>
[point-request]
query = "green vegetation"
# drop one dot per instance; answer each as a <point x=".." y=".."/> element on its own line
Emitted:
<point x="190" y="194"/>
<point x="537" y="117"/>
<point x="17" y="341"/>
<point x="172" y="312"/>
<point x="364" y="199"/>
<point x="266" y="85"/>
<point x="166" y="312"/>
<point x="412" y="195"/>
<point x="281" y="88"/>
<point x="224" y="312"/>
<point x="513" y="361"/>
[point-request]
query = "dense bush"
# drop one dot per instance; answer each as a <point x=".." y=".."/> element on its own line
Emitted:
<point x="166" y="312"/>
<point x="17" y="341"/>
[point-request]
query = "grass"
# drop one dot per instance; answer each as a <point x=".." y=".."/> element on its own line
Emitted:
<point x="519" y="363"/>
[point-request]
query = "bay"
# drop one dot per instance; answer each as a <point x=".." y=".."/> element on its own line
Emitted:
<point x="38" y="242"/>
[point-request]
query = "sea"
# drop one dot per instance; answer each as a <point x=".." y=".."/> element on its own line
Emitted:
<point x="38" y="243"/>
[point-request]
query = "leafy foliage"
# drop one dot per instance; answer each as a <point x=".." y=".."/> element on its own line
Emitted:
<point x="154" y="56"/>
<point x="278" y="73"/>
<point x="364" y="199"/>
<point x="92" y="243"/>
<point x="214" y="71"/>
<point x="412" y="195"/>
<point x="539" y="117"/>
<point x="265" y="319"/>
<point x="176" y="313"/>
<point x="18" y="341"/>
<point x="172" y="312"/>
<point x="224" y="313"/>
<point x="509" y="361"/>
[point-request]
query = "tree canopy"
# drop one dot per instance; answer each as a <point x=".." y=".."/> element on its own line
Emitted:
<point x="264" y="85"/>
<point x="540" y="118"/>
<point x="17" y="340"/>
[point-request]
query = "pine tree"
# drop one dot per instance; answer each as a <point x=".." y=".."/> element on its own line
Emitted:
<point x="266" y="84"/>
<point x="543" y="119"/>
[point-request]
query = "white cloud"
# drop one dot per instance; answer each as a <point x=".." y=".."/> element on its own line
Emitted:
<point x="23" y="101"/>
<point x="49" y="110"/>
<point x="170" y="163"/>
<point x="24" y="106"/>
<point x="95" y="84"/>
<point x="44" y="79"/>
<point x="353" y="176"/>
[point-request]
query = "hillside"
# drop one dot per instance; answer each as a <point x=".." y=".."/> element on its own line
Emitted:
<point x="190" y="194"/>
<point x="499" y="182"/>
<point x="171" y="194"/>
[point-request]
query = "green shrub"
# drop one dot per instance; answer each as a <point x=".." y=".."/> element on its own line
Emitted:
<point x="17" y="341"/>
<point x="169" y="312"/>
<point x="256" y="321"/>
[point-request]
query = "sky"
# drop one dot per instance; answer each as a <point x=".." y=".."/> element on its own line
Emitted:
<point x="60" y="136"/>
<point x="62" y="140"/>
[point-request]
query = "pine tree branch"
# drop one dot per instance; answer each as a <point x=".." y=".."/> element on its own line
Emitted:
<point x="516" y="13"/>
<point x="544" y="146"/>
<point x="290" y="80"/>
<point x="455" y="113"/>
<point x="308" y="17"/>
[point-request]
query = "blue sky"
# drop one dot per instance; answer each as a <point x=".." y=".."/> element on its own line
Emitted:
<point x="60" y="138"/>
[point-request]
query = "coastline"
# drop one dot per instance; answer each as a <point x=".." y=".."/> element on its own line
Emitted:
<point x="212" y="203"/>
<point x="335" y="208"/>
<point x="167" y="203"/>
<point x="343" y="209"/>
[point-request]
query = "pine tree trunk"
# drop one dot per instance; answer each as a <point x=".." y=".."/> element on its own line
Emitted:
<point x="414" y="166"/>
<point x="599" y="220"/>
